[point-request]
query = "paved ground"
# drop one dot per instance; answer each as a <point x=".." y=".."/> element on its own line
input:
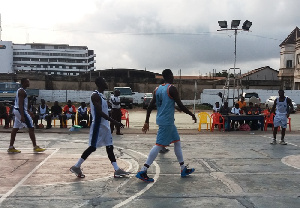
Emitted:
<point x="233" y="169"/>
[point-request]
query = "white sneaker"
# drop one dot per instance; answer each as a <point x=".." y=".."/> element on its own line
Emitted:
<point x="120" y="173"/>
<point x="273" y="142"/>
<point x="282" y="142"/>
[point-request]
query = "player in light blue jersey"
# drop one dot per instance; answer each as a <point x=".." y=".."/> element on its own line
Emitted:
<point x="165" y="97"/>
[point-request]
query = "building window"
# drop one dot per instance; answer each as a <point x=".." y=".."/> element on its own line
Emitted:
<point x="289" y="64"/>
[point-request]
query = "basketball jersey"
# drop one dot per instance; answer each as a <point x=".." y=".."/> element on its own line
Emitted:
<point x="115" y="99"/>
<point x="281" y="107"/>
<point x="165" y="105"/>
<point x="17" y="100"/>
<point x="104" y="108"/>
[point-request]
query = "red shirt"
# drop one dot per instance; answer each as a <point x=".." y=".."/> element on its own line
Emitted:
<point x="69" y="110"/>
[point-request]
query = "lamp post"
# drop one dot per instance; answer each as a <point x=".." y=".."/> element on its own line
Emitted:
<point x="234" y="26"/>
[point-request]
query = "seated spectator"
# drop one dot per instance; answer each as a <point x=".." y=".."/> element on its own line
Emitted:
<point x="33" y="113"/>
<point x="4" y="115"/>
<point x="251" y="110"/>
<point x="56" y="112"/>
<point x="242" y="104"/>
<point x="83" y="114"/>
<point x="225" y="110"/>
<point x="43" y="113"/>
<point x="216" y="108"/>
<point x="257" y="109"/>
<point x="236" y="111"/>
<point x="69" y="112"/>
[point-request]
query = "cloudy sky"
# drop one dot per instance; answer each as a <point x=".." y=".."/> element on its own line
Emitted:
<point x="157" y="34"/>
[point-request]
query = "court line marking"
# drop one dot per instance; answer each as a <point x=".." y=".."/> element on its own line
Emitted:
<point x="284" y="161"/>
<point x="26" y="177"/>
<point x="156" y="176"/>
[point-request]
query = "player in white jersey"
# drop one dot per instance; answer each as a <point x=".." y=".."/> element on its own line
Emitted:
<point x="284" y="107"/>
<point x="100" y="134"/>
<point x="22" y="118"/>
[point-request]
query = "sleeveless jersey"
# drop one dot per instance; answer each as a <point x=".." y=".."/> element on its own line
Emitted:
<point x="82" y="110"/>
<point x="281" y="107"/>
<point x="165" y="105"/>
<point x="43" y="110"/>
<point x="104" y="108"/>
<point x="17" y="100"/>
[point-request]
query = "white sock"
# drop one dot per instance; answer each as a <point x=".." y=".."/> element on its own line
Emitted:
<point x="80" y="161"/>
<point x="153" y="154"/>
<point x="144" y="168"/>
<point x="116" y="167"/>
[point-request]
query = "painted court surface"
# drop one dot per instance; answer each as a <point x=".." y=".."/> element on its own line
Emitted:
<point x="233" y="169"/>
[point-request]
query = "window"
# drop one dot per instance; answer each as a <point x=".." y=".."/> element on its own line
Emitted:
<point x="289" y="64"/>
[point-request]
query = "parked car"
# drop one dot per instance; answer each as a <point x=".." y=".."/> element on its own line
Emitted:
<point x="126" y="97"/>
<point x="271" y="99"/>
<point x="251" y="97"/>
<point x="146" y="99"/>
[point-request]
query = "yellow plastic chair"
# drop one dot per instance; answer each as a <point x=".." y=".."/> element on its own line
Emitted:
<point x="204" y="118"/>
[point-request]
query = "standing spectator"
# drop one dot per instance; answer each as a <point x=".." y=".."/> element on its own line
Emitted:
<point x="43" y="113"/>
<point x="69" y="112"/>
<point x="116" y="113"/>
<point x="83" y="114"/>
<point x="56" y="112"/>
<point x="283" y="106"/>
<point x="4" y="115"/>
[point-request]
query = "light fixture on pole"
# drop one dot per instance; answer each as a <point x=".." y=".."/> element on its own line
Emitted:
<point x="234" y="26"/>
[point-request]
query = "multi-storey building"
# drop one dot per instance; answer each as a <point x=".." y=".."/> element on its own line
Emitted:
<point x="50" y="58"/>
<point x="289" y="72"/>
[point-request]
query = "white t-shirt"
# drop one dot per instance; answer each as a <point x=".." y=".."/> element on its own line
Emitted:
<point x="115" y="99"/>
<point x="236" y="111"/>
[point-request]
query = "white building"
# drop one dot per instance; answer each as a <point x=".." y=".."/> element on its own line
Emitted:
<point x="289" y="71"/>
<point x="6" y="56"/>
<point x="49" y="58"/>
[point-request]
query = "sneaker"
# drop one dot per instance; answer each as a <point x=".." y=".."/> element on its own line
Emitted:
<point x="38" y="149"/>
<point x="144" y="177"/>
<point x="282" y="142"/>
<point x="120" y="173"/>
<point x="164" y="150"/>
<point x="273" y="142"/>
<point x="187" y="171"/>
<point x="13" y="150"/>
<point x="77" y="171"/>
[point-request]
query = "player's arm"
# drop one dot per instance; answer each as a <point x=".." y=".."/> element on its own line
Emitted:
<point x="274" y="106"/>
<point x="21" y="97"/>
<point x="175" y="95"/>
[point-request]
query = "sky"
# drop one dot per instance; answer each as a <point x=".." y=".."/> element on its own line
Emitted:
<point x="157" y="34"/>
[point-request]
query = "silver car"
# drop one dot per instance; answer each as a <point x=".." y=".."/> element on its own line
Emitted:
<point x="271" y="99"/>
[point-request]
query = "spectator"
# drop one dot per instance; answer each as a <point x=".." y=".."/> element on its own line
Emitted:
<point x="4" y="115"/>
<point x="32" y="111"/>
<point x="216" y="108"/>
<point x="56" y="112"/>
<point x="236" y="111"/>
<point x="116" y="113"/>
<point x="242" y="104"/>
<point x="83" y="114"/>
<point x="69" y="112"/>
<point x="225" y="110"/>
<point x="43" y="113"/>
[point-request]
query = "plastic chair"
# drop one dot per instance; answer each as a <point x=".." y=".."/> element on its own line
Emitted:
<point x="266" y="112"/>
<point x="216" y="117"/>
<point x="269" y="120"/>
<point x="204" y="118"/>
<point x="125" y="116"/>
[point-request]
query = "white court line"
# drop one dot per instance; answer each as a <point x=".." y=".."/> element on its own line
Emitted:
<point x="157" y="172"/>
<point x="26" y="177"/>
<point x="284" y="161"/>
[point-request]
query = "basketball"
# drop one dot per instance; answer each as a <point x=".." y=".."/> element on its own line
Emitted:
<point x="41" y="126"/>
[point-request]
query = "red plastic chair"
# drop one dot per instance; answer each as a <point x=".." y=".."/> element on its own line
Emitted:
<point x="125" y="116"/>
<point x="269" y="120"/>
<point x="266" y="112"/>
<point x="216" y="117"/>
